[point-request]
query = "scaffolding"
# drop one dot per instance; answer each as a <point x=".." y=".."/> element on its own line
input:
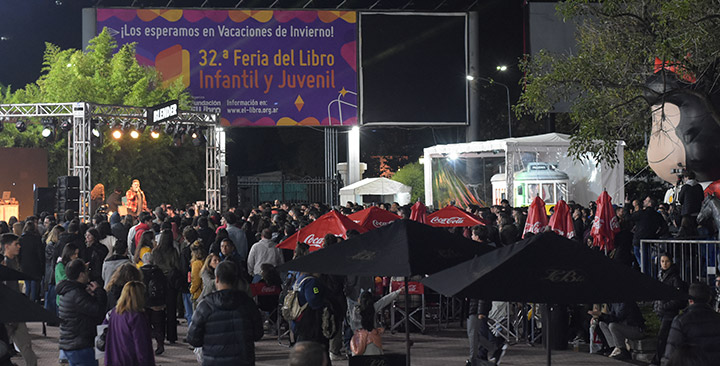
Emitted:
<point x="84" y="115"/>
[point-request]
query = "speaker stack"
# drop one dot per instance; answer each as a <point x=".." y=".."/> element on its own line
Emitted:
<point x="68" y="193"/>
<point x="44" y="200"/>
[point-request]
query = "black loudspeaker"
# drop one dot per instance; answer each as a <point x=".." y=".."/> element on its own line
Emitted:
<point x="43" y="200"/>
<point x="68" y="193"/>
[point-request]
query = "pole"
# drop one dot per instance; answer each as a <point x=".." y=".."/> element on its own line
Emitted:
<point x="407" y="324"/>
<point x="507" y="90"/>
<point x="548" y="311"/>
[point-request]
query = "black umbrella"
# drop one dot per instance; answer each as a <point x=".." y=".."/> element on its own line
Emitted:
<point x="549" y="269"/>
<point x="9" y="274"/>
<point x="402" y="248"/>
<point x="16" y="308"/>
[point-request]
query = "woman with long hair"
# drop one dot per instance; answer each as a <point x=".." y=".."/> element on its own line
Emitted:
<point x="128" y="341"/>
<point x="166" y="257"/>
<point x="52" y="240"/>
<point x="97" y="198"/>
<point x="146" y="245"/>
<point x="124" y="274"/>
<point x="106" y="237"/>
<point x="207" y="274"/>
<point x="197" y="260"/>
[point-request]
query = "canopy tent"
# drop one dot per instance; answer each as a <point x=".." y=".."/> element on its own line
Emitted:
<point x="382" y="190"/>
<point x="461" y="172"/>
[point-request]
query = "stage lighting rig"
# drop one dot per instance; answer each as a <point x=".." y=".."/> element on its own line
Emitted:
<point x="21" y="126"/>
<point x="169" y="129"/>
<point x="116" y="131"/>
<point x="155" y="131"/>
<point x="198" y="137"/>
<point x="66" y="124"/>
<point x="48" y="131"/>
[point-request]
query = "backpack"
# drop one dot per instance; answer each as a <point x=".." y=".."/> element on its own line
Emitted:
<point x="329" y="326"/>
<point x="291" y="308"/>
<point x="156" y="287"/>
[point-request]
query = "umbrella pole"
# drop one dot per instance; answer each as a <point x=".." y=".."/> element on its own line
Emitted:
<point x="407" y="324"/>
<point x="548" y="311"/>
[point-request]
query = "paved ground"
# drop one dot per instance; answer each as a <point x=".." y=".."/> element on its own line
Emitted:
<point x="448" y="347"/>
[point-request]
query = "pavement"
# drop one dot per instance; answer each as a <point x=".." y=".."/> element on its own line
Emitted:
<point x="446" y="347"/>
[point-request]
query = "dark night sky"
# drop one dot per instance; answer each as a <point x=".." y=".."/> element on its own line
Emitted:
<point x="25" y="26"/>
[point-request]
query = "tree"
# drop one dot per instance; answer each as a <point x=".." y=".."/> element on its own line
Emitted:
<point x="169" y="173"/>
<point x="412" y="175"/>
<point x="619" y="45"/>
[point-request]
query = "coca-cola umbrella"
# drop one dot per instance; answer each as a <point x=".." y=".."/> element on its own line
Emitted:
<point x="548" y="269"/>
<point x="372" y="217"/>
<point x="418" y="212"/>
<point x="605" y="225"/>
<point x="332" y="222"/>
<point x="561" y="221"/>
<point x="17" y="308"/>
<point x="452" y="216"/>
<point x="537" y="219"/>
<point x="402" y="248"/>
<point x="9" y="274"/>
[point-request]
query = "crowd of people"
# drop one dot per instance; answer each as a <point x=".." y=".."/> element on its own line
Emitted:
<point x="139" y="274"/>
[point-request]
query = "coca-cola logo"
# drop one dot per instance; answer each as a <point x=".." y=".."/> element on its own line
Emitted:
<point x="447" y="220"/>
<point x="533" y="228"/>
<point x="564" y="276"/>
<point x="314" y="241"/>
<point x="378" y="224"/>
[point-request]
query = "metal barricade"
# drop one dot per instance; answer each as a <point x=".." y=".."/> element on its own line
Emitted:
<point x="696" y="259"/>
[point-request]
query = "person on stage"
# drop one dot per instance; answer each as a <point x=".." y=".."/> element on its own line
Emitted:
<point x="136" y="200"/>
<point x="97" y="198"/>
<point x="114" y="200"/>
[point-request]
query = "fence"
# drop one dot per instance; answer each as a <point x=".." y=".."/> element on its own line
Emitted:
<point x="253" y="191"/>
<point x="696" y="259"/>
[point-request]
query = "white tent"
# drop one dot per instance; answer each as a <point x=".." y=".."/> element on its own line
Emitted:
<point x="587" y="178"/>
<point x="388" y="190"/>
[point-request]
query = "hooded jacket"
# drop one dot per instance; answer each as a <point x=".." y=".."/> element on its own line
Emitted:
<point x="226" y="324"/>
<point x="670" y="308"/>
<point x="80" y="313"/>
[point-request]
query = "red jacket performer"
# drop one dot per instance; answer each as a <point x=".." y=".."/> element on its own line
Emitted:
<point x="136" y="202"/>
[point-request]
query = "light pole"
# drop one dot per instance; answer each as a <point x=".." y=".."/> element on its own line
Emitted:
<point x="491" y="82"/>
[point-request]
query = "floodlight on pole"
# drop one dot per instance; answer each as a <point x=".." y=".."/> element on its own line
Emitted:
<point x="507" y="89"/>
<point x="501" y="68"/>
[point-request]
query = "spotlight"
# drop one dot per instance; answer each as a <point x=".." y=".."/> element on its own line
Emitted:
<point x="198" y="138"/>
<point x="180" y="131"/>
<point x="134" y="133"/>
<point x="169" y="129"/>
<point x="48" y="131"/>
<point x="155" y="131"/>
<point x="127" y="126"/>
<point x="66" y="125"/>
<point x="21" y="126"/>
<point x="95" y="128"/>
<point x="116" y="131"/>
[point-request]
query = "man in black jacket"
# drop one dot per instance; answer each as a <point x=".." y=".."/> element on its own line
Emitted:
<point x="226" y="323"/>
<point x="649" y="224"/>
<point x="32" y="259"/>
<point x="625" y="321"/>
<point x="666" y="310"/>
<point x="81" y="307"/>
<point x="690" y="197"/>
<point x="698" y="326"/>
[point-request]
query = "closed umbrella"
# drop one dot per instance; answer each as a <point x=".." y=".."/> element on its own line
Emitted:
<point x="403" y="248"/>
<point x="605" y="225"/>
<point x="332" y="222"/>
<point x="537" y="219"/>
<point x="561" y="221"/>
<point x="418" y="212"/>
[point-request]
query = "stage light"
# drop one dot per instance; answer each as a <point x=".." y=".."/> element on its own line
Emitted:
<point x="116" y="131"/>
<point x="48" y="131"/>
<point x="21" y="126"/>
<point x="66" y="125"/>
<point x="155" y="131"/>
<point x="198" y="138"/>
<point x="180" y="131"/>
<point x="169" y="129"/>
<point x="95" y="129"/>
<point x="134" y="134"/>
<point x="127" y="126"/>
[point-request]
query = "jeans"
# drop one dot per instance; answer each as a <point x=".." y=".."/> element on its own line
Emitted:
<point x="32" y="290"/>
<point x="617" y="333"/>
<point x="188" y="304"/>
<point x="82" y="357"/>
<point x="645" y="268"/>
<point x="50" y="299"/>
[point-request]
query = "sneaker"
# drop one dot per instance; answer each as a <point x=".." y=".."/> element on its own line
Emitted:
<point x="336" y="357"/>
<point x="622" y="355"/>
<point x="160" y="349"/>
<point x="616" y="351"/>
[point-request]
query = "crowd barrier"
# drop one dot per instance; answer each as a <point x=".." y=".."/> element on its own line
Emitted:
<point x="696" y="259"/>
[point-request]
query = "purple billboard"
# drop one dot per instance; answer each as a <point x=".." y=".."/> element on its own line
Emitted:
<point x="255" y="68"/>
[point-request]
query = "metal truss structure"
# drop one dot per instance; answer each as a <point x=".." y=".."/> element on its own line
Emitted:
<point x="84" y="115"/>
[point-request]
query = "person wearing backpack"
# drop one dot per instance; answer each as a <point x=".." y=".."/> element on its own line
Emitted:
<point x="156" y="291"/>
<point x="308" y="326"/>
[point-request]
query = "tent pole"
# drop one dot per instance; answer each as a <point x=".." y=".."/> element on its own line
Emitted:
<point x="407" y="324"/>
<point x="548" y="311"/>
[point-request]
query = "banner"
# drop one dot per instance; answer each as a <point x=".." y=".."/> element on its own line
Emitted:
<point x="255" y="68"/>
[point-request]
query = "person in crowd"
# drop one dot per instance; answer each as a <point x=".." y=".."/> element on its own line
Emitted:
<point x="106" y="237"/>
<point x="17" y="228"/>
<point x="119" y="230"/>
<point x="690" y="198"/>
<point x="368" y="339"/>
<point x="168" y="260"/>
<point x="649" y="224"/>
<point x="625" y="321"/>
<point x="17" y="332"/>
<point x="666" y="310"/>
<point x="128" y="341"/>
<point x="478" y="310"/>
<point x="334" y="296"/>
<point x="698" y="326"/>
<point x="94" y="255"/>
<point x="136" y="199"/>
<point x="262" y="252"/>
<point x="125" y="273"/>
<point x="155" y="298"/>
<point x="206" y="234"/>
<point x="82" y="306"/>
<point x="145" y="245"/>
<point x="509" y="233"/>
<point x="97" y="198"/>
<point x="221" y="235"/>
<point x="237" y="235"/>
<point x="118" y="258"/>
<point x="144" y="224"/>
<point x="228" y="252"/>
<point x="226" y="323"/>
<point x="71" y="235"/>
<point x="207" y="274"/>
<point x="32" y="259"/>
<point x="308" y="354"/>
<point x="308" y="327"/>
<point x="196" y="263"/>
<point x="51" y="243"/>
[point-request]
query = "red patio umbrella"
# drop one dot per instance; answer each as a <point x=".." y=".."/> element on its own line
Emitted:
<point x="332" y="222"/>
<point x="372" y="217"/>
<point x="452" y="216"/>
<point x="418" y="212"/>
<point x="537" y="219"/>
<point x="561" y="221"/>
<point x="605" y="225"/>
